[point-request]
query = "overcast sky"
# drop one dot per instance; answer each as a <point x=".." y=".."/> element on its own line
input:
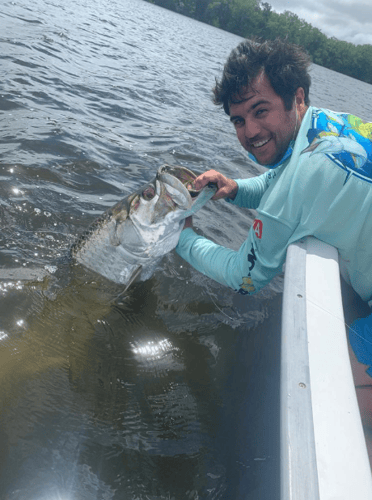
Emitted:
<point x="349" y="20"/>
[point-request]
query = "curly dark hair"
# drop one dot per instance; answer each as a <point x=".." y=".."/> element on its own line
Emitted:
<point x="285" y="64"/>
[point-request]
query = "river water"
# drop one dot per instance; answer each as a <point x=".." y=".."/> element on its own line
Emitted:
<point x="170" y="392"/>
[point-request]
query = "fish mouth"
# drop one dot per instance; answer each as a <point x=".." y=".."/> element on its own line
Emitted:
<point x="178" y="184"/>
<point x="181" y="180"/>
<point x="183" y="174"/>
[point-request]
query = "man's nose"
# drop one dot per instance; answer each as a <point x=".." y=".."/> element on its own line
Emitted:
<point x="251" y="129"/>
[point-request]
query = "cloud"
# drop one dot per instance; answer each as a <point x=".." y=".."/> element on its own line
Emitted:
<point x="356" y="11"/>
<point x="344" y="19"/>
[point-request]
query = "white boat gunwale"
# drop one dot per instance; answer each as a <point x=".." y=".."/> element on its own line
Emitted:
<point x="323" y="452"/>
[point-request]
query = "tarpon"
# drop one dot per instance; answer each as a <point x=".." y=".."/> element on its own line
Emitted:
<point x="108" y="371"/>
<point x="129" y="239"/>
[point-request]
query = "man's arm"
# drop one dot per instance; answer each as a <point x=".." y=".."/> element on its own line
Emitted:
<point x="249" y="269"/>
<point x="246" y="193"/>
<point x="250" y="191"/>
<point x="242" y="192"/>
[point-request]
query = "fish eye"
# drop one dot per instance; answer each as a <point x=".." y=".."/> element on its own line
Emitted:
<point x="148" y="194"/>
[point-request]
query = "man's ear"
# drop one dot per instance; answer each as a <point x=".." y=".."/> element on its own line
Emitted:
<point x="300" y="102"/>
<point x="300" y="96"/>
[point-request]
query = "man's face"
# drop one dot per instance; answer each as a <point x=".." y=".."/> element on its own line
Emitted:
<point x="263" y="126"/>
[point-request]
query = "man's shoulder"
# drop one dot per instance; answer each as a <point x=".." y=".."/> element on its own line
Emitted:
<point x="336" y="122"/>
<point x="345" y="139"/>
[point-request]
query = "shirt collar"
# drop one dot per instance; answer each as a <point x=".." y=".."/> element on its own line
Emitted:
<point x="285" y="157"/>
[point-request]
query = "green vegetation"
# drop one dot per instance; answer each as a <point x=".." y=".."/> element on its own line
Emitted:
<point x="253" y="17"/>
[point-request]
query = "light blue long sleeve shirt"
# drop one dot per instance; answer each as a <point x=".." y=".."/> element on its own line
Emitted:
<point x="323" y="188"/>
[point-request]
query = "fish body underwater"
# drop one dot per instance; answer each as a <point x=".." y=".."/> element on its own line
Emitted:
<point x="129" y="239"/>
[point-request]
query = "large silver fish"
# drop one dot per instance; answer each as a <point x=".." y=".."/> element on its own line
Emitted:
<point x="129" y="239"/>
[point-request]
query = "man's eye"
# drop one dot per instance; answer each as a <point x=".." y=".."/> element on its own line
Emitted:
<point x="260" y="111"/>
<point x="237" y="123"/>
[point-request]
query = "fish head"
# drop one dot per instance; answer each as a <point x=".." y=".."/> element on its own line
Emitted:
<point x="150" y="221"/>
<point x="170" y="194"/>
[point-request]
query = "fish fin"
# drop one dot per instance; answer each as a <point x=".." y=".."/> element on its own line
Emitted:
<point x="133" y="277"/>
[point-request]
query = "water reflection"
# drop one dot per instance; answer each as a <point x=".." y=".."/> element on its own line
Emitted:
<point x="3" y="335"/>
<point x="10" y="285"/>
<point x="102" y="397"/>
<point x="153" y="350"/>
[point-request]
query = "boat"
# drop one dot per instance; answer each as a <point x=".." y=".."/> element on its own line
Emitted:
<point x="323" y="453"/>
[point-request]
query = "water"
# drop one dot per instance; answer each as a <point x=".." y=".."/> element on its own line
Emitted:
<point x="172" y="391"/>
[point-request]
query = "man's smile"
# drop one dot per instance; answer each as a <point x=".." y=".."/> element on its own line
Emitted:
<point x="259" y="144"/>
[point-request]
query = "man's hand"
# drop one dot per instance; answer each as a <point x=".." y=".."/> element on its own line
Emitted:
<point x="227" y="188"/>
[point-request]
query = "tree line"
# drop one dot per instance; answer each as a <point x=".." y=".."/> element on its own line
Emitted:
<point x="256" y="18"/>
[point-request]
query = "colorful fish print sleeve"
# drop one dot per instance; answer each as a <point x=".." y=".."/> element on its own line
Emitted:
<point x="322" y="188"/>
<point x="345" y="139"/>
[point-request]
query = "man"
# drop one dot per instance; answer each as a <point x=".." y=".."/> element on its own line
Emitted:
<point x="319" y="180"/>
